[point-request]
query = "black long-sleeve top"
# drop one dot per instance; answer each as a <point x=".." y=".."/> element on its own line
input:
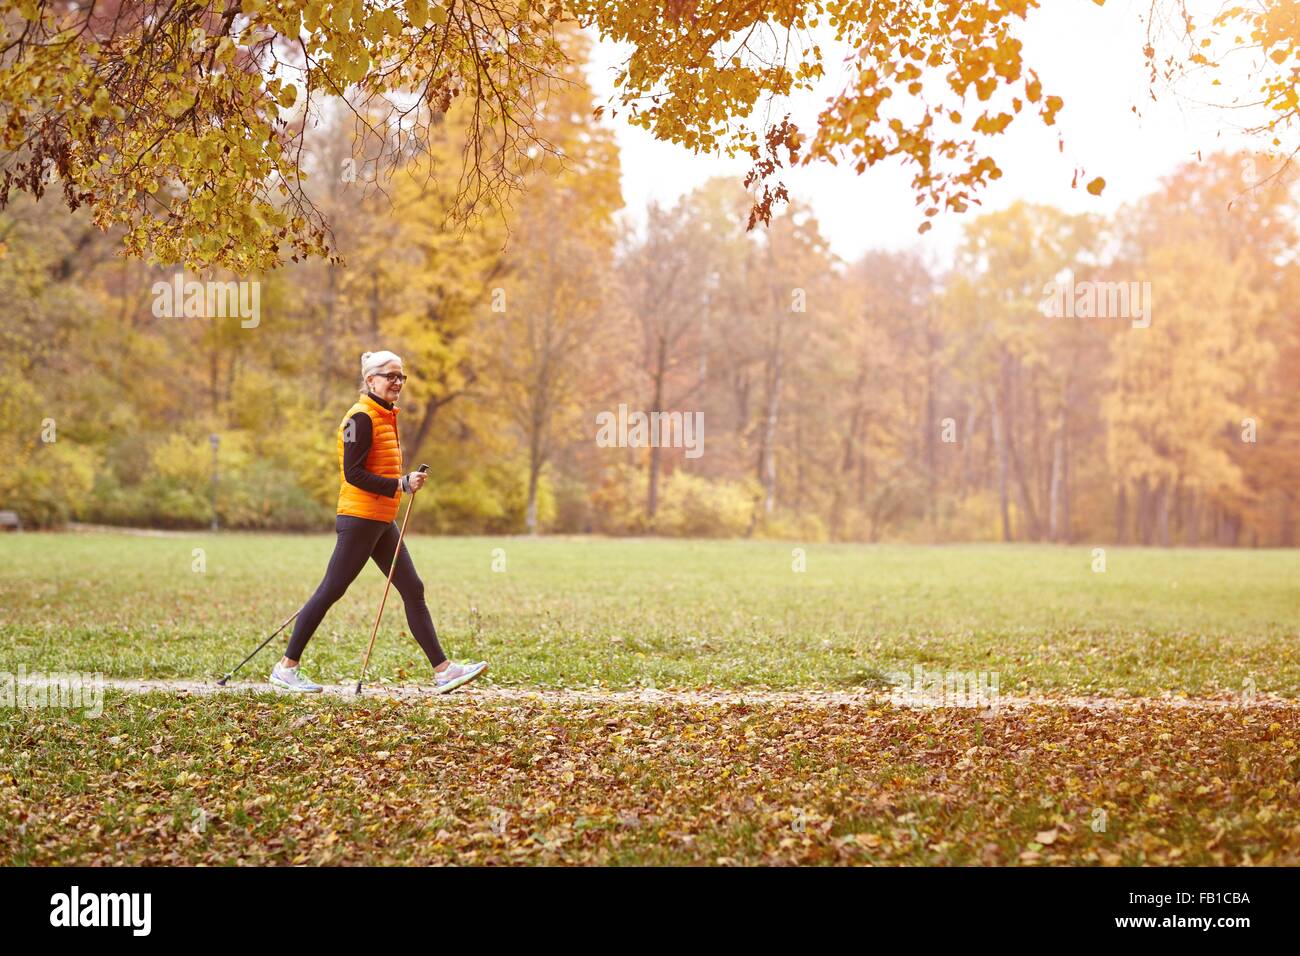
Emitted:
<point x="355" y="452"/>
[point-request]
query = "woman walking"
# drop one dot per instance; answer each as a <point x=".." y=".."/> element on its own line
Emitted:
<point x="370" y="489"/>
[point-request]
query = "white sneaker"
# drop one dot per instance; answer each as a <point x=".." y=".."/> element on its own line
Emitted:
<point x="455" y="675"/>
<point x="290" y="679"/>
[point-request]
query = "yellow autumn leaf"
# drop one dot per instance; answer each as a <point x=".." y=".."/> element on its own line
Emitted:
<point x="417" y="12"/>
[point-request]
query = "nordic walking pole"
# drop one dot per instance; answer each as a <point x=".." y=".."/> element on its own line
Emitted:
<point x="397" y="552"/>
<point x="222" y="682"/>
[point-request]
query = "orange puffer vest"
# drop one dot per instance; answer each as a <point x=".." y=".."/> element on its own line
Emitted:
<point x="384" y="458"/>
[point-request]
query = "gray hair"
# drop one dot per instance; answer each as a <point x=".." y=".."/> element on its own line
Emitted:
<point x="372" y="362"/>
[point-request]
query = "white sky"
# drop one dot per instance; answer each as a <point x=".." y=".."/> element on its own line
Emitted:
<point x="1090" y="56"/>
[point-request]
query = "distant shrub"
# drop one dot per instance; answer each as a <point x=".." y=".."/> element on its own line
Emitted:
<point x="618" y="502"/>
<point x="46" y="486"/>
<point x="261" y="496"/>
<point x="975" y="517"/>
<point x="696" y="507"/>
<point x="41" y="481"/>
<point x="573" y="509"/>
<point x="173" y="489"/>
<point x="788" y="526"/>
<point x="490" y="500"/>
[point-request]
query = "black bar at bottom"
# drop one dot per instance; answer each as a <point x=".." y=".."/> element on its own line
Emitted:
<point x="727" y="905"/>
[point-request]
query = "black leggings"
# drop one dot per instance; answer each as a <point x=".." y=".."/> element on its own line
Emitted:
<point x="359" y="539"/>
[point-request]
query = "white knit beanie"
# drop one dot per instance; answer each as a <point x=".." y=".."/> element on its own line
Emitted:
<point x="371" y="362"/>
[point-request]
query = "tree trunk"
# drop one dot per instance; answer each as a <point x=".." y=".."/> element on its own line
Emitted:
<point x="767" y="450"/>
<point x="863" y="466"/>
<point x="1067" y="534"/>
<point x="848" y="447"/>
<point x="1065" y="458"/>
<point x="328" y="337"/>
<point x="1162" y="517"/>
<point x="1008" y="441"/>
<point x="1192" y="536"/>
<point x="232" y="371"/>
<point x="656" y="405"/>
<point x="1040" y="468"/>
<point x="999" y="441"/>
<point x="968" y="478"/>
<point x="1121" y="514"/>
<point x="1141" y="533"/>
<point x="534" y="472"/>
<point x="374" y="305"/>
<point x="799" y="460"/>
<point x="214" y="369"/>
<point x="1022" y="483"/>
<point x="931" y="465"/>
<point x="426" y="425"/>
<point x="1056" y="485"/>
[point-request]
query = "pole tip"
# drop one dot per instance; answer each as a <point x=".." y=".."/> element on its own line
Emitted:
<point x="222" y="682"/>
<point x="358" y="687"/>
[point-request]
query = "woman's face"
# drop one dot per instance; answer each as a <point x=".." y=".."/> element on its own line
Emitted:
<point x="381" y="386"/>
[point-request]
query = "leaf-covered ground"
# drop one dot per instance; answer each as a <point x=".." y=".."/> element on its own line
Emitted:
<point x="161" y="778"/>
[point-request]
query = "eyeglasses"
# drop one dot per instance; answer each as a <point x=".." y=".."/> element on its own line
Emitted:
<point x="394" y="378"/>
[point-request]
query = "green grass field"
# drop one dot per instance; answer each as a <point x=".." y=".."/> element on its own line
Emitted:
<point x="624" y="613"/>
<point x="165" y="777"/>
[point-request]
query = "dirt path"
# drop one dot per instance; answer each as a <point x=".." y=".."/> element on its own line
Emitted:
<point x="650" y="696"/>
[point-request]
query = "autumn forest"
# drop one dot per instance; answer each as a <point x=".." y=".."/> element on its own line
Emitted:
<point x="1067" y="378"/>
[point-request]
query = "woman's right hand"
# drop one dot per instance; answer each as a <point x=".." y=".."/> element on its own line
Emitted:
<point x="415" y="480"/>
